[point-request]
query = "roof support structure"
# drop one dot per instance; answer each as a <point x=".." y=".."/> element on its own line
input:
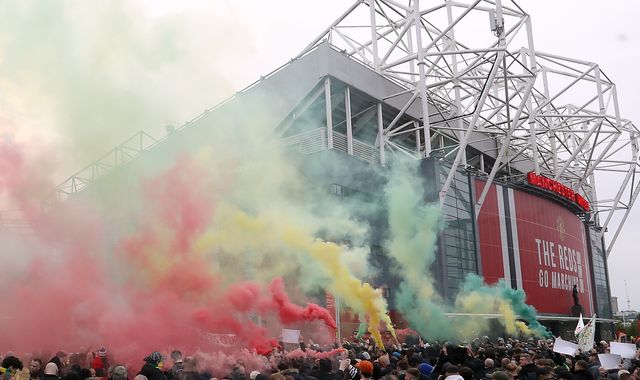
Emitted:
<point x="472" y="84"/>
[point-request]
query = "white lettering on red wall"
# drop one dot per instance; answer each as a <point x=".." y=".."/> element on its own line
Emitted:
<point x="543" y="251"/>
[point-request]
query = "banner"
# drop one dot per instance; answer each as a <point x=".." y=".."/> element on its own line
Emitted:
<point x="587" y="335"/>
<point x="562" y="346"/>
<point x="609" y="361"/>
<point x="625" y="350"/>
<point x="290" y="336"/>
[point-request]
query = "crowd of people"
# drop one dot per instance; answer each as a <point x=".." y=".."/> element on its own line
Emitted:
<point x="481" y="359"/>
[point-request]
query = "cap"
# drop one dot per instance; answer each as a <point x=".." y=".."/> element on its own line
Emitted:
<point x="366" y="367"/>
<point x="51" y="369"/>
<point x="155" y="357"/>
<point x="425" y="369"/>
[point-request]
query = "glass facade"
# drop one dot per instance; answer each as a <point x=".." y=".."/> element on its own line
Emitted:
<point x="600" y="276"/>
<point x="458" y="244"/>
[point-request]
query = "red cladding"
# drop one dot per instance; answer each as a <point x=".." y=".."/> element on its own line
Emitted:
<point x="490" y="238"/>
<point x="551" y="250"/>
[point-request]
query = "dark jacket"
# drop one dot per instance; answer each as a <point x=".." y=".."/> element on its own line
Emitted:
<point x="324" y="374"/>
<point x="592" y="367"/>
<point x="528" y="372"/>
<point x="583" y="374"/>
<point x="152" y="372"/>
<point x="187" y="375"/>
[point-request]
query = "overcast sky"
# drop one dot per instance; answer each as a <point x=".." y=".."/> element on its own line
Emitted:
<point x="220" y="46"/>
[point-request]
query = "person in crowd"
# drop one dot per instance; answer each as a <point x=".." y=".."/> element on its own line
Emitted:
<point x="152" y="367"/>
<point x="499" y="375"/>
<point x="36" y="369"/>
<point x="503" y="364"/>
<point x="189" y="370"/>
<point x="383" y="365"/>
<point x="100" y="363"/>
<point x="118" y="372"/>
<point x="176" y="358"/>
<point x="366" y="369"/>
<point x="50" y="371"/>
<point x="412" y="374"/>
<point x="451" y="372"/>
<point x="426" y="370"/>
<point x="625" y="376"/>
<point x="581" y="371"/>
<point x="593" y="365"/>
<point x="10" y="367"/>
<point x="466" y="373"/>
<point x="488" y="368"/>
<point x="323" y="371"/>
<point x="347" y="371"/>
<point x="545" y="373"/>
<point x="527" y="368"/>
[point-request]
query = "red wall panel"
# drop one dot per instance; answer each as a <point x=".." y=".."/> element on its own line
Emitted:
<point x="553" y="254"/>
<point x="490" y="238"/>
<point x="551" y="248"/>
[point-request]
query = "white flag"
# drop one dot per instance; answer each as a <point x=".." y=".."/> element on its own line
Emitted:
<point x="579" y="327"/>
<point x="587" y="335"/>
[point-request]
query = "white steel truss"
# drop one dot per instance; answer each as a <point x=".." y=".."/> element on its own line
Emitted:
<point x="473" y="69"/>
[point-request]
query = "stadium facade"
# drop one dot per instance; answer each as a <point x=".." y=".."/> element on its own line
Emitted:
<point x="510" y="142"/>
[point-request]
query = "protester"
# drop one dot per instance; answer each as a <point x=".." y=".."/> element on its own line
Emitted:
<point x="366" y="369"/>
<point x="152" y="368"/>
<point x="189" y="370"/>
<point x="50" y="371"/>
<point x="360" y="360"/>
<point x="178" y="365"/>
<point x="118" y="372"/>
<point x="36" y="370"/>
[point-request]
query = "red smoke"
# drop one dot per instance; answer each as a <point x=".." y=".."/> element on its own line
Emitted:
<point x="79" y="281"/>
<point x="291" y="313"/>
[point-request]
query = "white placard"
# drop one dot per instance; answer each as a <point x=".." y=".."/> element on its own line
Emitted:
<point x="626" y="350"/>
<point x="562" y="346"/>
<point x="290" y="336"/>
<point x="609" y="361"/>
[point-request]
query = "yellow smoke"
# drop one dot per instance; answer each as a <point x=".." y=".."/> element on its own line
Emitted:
<point x="270" y="234"/>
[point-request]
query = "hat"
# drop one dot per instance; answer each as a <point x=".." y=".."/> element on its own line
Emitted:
<point x="51" y="369"/>
<point x="102" y="352"/>
<point x="254" y="374"/>
<point x="425" y="369"/>
<point x="155" y="357"/>
<point x="366" y="367"/>
<point x="365" y="355"/>
<point x="396" y="354"/>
